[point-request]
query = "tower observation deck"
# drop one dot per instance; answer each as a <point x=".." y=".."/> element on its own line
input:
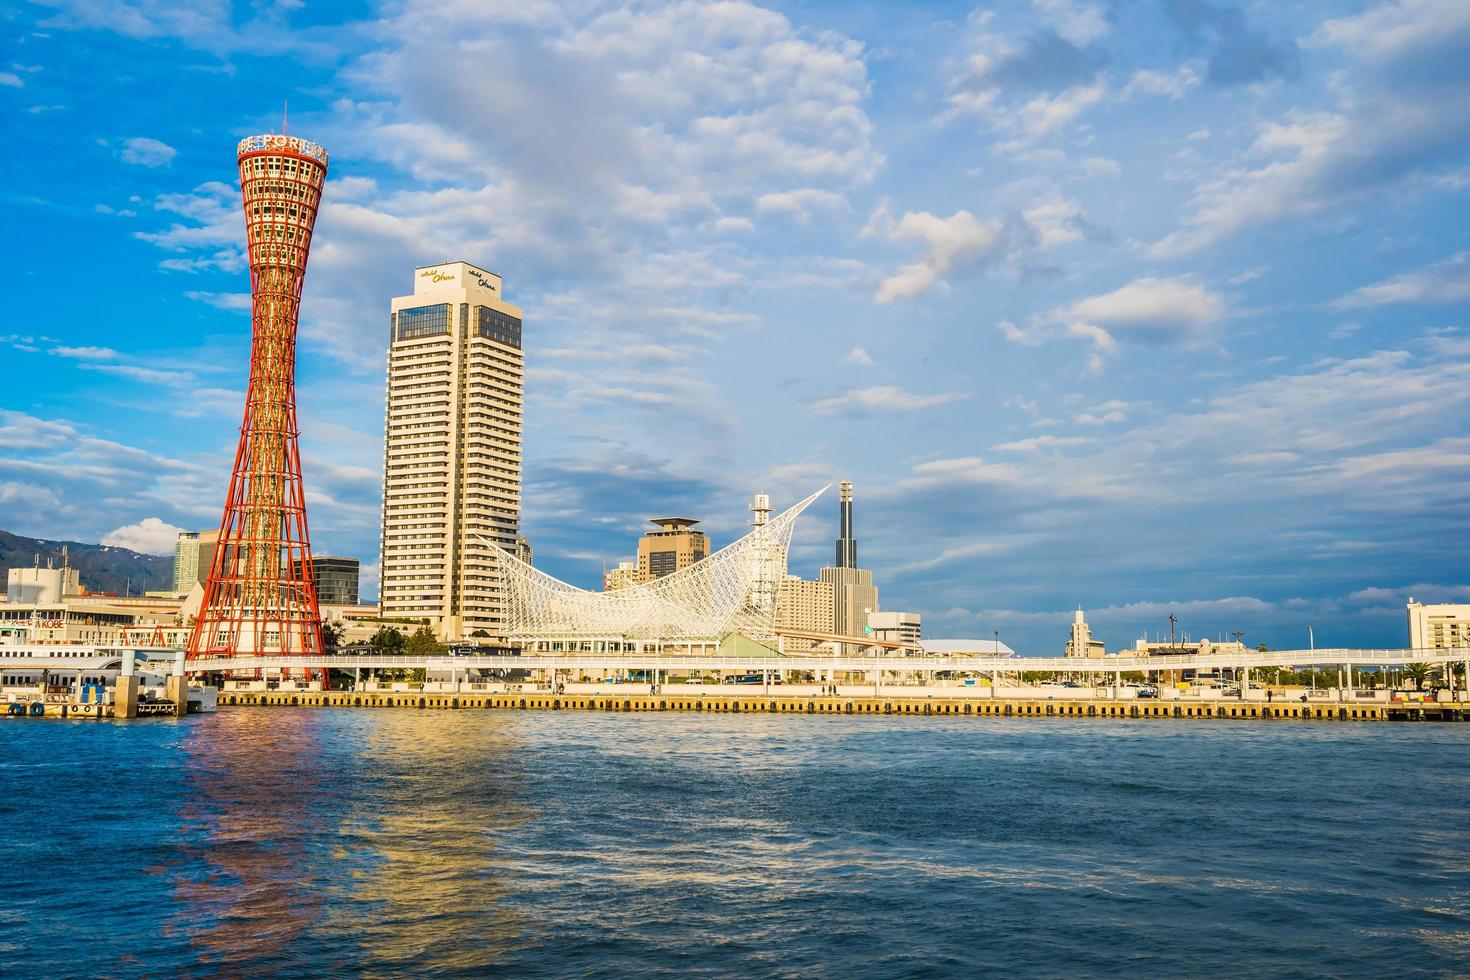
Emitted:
<point x="259" y="596"/>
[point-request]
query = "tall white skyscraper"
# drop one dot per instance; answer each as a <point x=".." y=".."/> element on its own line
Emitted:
<point x="451" y="449"/>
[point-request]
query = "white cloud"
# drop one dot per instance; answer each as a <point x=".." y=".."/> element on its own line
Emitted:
<point x="87" y="353"/>
<point x="1045" y="114"/>
<point x="146" y="152"/>
<point x="1057" y="220"/>
<point x="801" y="203"/>
<point x="221" y="301"/>
<point x="1152" y="309"/>
<point x="881" y="398"/>
<point x="1443" y="283"/>
<point x="11" y="80"/>
<point x="1400" y="114"/>
<point x="1149" y="310"/>
<point x="952" y="243"/>
<point x="858" y="355"/>
<point x="151" y="536"/>
<point x="1173" y="85"/>
<point x="1042" y="442"/>
<point x="734" y="224"/>
<point x="1100" y="167"/>
<point x="1080" y="23"/>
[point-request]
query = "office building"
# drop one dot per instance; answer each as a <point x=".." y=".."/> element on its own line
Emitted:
<point x="896" y="627"/>
<point x="672" y="546"/>
<point x="452" y="449"/>
<point x="336" y="580"/>
<point x="524" y="552"/>
<point x="1081" y="643"/>
<point x="854" y="596"/>
<point x="193" y="554"/>
<point x="806" y="606"/>
<point x="1439" y="626"/>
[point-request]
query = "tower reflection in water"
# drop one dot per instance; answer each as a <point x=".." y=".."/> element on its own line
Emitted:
<point x="351" y="838"/>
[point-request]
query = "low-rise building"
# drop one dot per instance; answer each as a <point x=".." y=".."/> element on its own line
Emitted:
<point x="622" y="577"/>
<point x="901" y="627"/>
<point x="40" y="585"/>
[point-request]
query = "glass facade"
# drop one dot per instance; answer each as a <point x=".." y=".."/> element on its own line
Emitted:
<point x="497" y="326"/>
<point x="423" y="321"/>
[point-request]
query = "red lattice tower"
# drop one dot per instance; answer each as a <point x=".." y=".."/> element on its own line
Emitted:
<point x="260" y="597"/>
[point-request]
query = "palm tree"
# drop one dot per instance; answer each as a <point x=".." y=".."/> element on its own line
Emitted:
<point x="1419" y="672"/>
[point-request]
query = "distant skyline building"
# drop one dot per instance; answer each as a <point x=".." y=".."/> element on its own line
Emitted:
<point x="672" y="546"/>
<point x="451" y="449"/>
<point x="854" y="596"/>
<point x="524" y="552"/>
<point x="625" y="575"/>
<point x="193" y="554"/>
<point x="337" y="580"/>
<point x="803" y="605"/>
<point x="1080" y="642"/>
<point x="846" y="543"/>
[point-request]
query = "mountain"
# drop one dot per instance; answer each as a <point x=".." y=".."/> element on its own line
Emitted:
<point x="103" y="568"/>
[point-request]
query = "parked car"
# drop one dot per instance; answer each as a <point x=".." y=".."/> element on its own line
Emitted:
<point x="1148" y="692"/>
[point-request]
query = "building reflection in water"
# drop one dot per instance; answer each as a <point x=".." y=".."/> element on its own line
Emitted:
<point x="346" y="840"/>
<point x="428" y="887"/>
<point x="244" y="871"/>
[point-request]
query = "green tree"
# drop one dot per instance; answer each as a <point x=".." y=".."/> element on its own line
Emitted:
<point x="332" y="636"/>
<point x="423" y="643"/>
<point x="1419" y="672"/>
<point x="387" y="640"/>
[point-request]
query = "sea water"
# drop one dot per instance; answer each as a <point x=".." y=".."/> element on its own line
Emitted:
<point x="316" y="842"/>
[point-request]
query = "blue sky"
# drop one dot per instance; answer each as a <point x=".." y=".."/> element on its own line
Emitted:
<point x="1149" y="307"/>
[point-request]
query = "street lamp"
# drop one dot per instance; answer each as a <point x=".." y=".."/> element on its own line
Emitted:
<point x="997" y="655"/>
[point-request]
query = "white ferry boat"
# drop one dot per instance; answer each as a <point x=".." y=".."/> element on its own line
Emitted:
<point x="86" y="675"/>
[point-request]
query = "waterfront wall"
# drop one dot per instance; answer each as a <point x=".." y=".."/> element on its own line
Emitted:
<point x="840" y="705"/>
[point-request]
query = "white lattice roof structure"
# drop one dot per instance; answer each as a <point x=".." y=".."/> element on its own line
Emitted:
<point x="731" y="591"/>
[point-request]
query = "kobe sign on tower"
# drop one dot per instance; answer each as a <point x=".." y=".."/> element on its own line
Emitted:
<point x="259" y="597"/>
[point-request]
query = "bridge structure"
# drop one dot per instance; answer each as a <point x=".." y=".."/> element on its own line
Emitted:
<point x="680" y="663"/>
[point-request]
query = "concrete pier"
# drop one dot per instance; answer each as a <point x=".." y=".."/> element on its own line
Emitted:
<point x="846" y="705"/>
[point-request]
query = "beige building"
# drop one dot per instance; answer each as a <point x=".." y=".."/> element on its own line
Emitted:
<point x="1439" y="626"/>
<point x="1081" y="643"/>
<point x="854" y="598"/>
<point x="193" y="554"/>
<point x="806" y="606"/>
<point x="452" y="449"/>
<point x="625" y="575"/>
<point x="674" y="545"/>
